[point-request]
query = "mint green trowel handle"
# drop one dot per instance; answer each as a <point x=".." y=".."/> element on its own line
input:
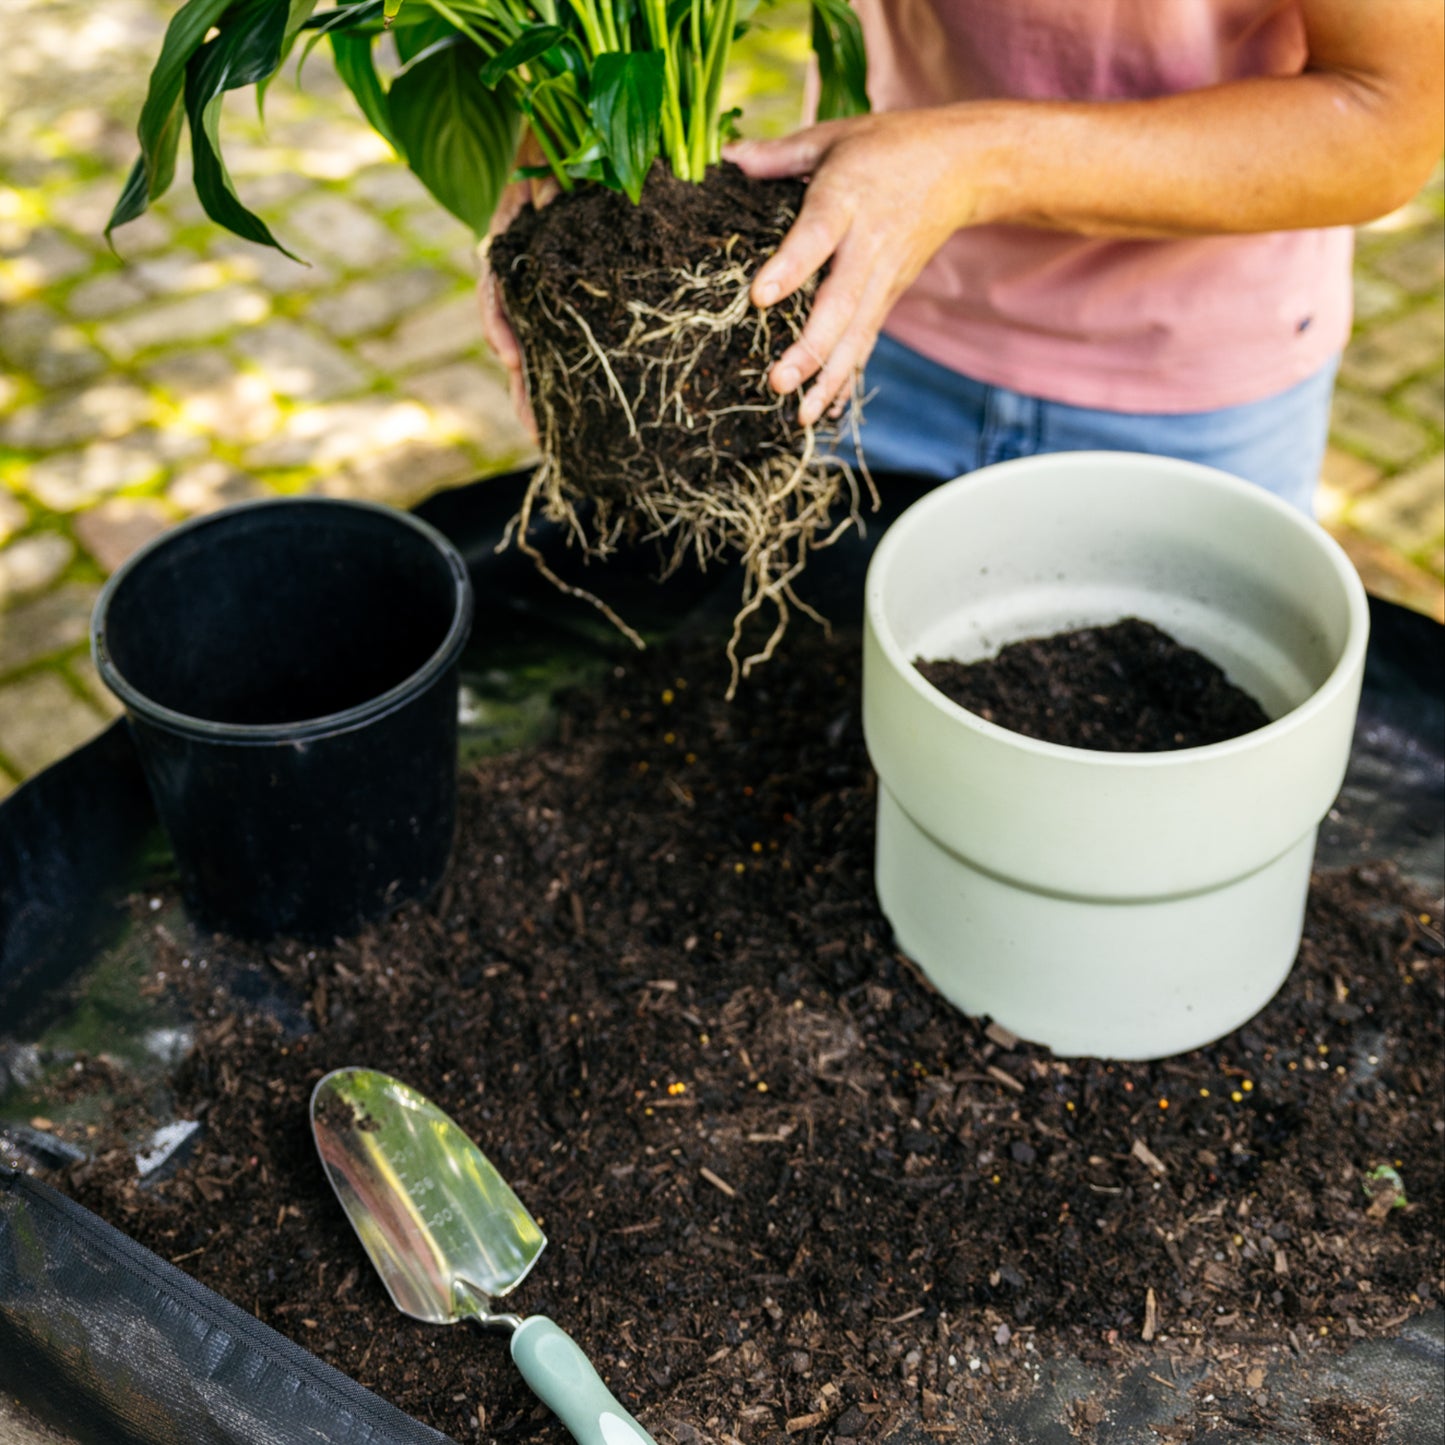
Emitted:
<point x="562" y="1377"/>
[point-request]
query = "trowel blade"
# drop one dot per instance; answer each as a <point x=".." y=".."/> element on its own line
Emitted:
<point x="430" y="1209"/>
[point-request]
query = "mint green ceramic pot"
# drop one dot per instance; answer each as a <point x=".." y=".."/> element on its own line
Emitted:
<point x="1124" y="905"/>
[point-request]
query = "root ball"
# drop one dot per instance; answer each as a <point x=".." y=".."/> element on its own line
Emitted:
<point x="646" y="366"/>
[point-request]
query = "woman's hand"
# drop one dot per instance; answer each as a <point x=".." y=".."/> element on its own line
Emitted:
<point x="886" y="192"/>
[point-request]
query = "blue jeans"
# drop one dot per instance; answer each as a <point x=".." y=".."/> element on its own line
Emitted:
<point x="922" y="418"/>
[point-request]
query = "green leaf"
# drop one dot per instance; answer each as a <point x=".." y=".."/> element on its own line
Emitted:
<point x="588" y="151"/>
<point x="355" y="66"/>
<point x="566" y="58"/>
<point x="458" y="137"/>
<point x="391" y="9"/>
<point x="347" y="16"/>
<point x="246" y="50"/>
<point x="132" y="200"/>
<point x="558" y="117"/>
<point x="842" y="64"/>
<point x="413" y="30"/>
<point x="347" y="19"/>
<point x="531" y="43"/>
<point x="561" y="96"/>
<point x="161" y="115"/>
<point x="626" y="106"/>
<point x="593" y="170"/>
<point x="429" y="30"/>
<point x="299" y="14"/>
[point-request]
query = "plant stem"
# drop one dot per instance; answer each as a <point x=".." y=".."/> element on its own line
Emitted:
<point x="720" y="44"/>
<point x="674" y="137"/>
<point x="504" y="22"/>
<point x="609" y="25"/>
<point x="548" y="149"/>
<point x="696" y="89"/>
<point x="591" y="28"/>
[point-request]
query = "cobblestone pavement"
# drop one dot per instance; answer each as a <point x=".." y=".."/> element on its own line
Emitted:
<point x="195" y="371"/>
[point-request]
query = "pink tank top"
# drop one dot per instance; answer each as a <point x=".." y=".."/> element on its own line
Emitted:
<point x="1136" y="326"/>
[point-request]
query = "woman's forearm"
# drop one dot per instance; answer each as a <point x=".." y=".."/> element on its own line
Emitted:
<point x="1320" y="149"/>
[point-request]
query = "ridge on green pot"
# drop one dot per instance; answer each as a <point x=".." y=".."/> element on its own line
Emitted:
<point x="606" y="86"/>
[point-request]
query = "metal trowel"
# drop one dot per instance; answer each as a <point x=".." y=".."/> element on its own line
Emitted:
<point x="448" y="1236"/>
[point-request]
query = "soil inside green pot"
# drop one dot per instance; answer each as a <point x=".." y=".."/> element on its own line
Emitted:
<point x="790" y="1192"/>
<point x="1125" y="688"/>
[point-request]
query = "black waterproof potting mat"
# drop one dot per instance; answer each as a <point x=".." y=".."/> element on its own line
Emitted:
<point x="114" y="1344"/>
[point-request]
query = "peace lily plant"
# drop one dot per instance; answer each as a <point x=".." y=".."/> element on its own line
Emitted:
<point x="645" y="361"/>
<point x="606" y="86"/>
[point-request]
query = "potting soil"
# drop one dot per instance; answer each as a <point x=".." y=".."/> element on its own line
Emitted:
<point x="1125" y="688"/>
<point x="790" y="1193"/>
<point x="647" y="370"/>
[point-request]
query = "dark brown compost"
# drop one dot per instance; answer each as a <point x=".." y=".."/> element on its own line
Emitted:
<point x="790" y="1193"/>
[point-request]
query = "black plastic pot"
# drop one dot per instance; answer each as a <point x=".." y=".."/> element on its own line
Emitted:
<point x="289" y="670"/>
